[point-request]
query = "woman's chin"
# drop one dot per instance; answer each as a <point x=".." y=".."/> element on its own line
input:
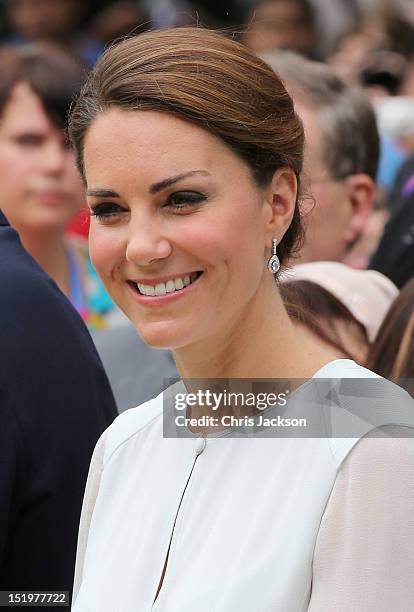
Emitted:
<point x="162" y="335"/>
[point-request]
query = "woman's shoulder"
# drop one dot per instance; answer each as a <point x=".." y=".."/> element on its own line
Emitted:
<point x="383" y="450"/>
<point x="366" y="406"/>
<point x="367" y="529"/>
<point x="344" y="368"/>
<point x="380" y="462"/>
<point x="143" y="419"/>
<point x="131" y="422"/>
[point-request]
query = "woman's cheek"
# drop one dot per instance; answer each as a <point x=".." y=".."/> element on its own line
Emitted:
<point x="103" y="248"/>
<point x="212" y="238"/>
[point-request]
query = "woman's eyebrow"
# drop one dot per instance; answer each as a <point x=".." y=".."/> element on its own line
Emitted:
<point x="102" y="193"/>
<point x="156" y="187"/>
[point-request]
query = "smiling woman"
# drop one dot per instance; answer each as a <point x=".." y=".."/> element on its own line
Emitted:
<point x="175" y="188"/>
<point x="163" y="215"/>
<point x="191" y="153"/>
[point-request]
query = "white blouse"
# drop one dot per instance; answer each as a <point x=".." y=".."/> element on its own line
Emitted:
<point x="246" y="525"/>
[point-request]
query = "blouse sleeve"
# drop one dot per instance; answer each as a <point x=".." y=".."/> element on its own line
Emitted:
<point x="91" y="493"/>
<point x="364" y="554"/>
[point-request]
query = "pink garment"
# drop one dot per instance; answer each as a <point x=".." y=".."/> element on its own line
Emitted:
<point x="366" y="293"/>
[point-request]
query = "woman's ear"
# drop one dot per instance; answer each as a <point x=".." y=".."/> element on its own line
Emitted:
<point x="280" y="202"/>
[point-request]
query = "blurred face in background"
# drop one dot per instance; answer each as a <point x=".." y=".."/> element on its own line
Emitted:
<point x="40" y="185"/>
<point x="329" y="214"/>
<point x="280" y="24"/>
<point x="44" y="19"/>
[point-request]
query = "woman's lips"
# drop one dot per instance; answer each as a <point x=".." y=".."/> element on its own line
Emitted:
<point x="161" y="286"/>
<point x="158" y="300"/>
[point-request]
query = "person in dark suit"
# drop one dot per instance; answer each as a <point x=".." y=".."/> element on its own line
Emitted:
<point x="394" y="256"/>
<point x="55" y="401"/>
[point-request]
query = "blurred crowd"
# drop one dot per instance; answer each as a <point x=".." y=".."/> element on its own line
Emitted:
<point x="354" y="96"/>
<point x="349" y="66"/>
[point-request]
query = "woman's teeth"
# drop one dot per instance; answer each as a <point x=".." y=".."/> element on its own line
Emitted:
<point x="169" y="287"/>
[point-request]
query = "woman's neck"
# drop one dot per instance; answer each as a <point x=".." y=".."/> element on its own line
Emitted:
<point x="262" y="343"/>
<point x="48" y="249"/>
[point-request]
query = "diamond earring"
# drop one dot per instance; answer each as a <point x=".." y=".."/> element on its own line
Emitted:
<point x="273" y="264"/>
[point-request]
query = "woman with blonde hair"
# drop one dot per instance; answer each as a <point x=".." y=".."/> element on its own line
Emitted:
<point x="191" y="153"/>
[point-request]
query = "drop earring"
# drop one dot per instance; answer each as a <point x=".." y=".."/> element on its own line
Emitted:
<point x="273" y="263"/>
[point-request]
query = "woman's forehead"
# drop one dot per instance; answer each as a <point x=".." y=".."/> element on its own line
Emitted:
<point x="153" y="141"/>
<point x="144" y="127"/>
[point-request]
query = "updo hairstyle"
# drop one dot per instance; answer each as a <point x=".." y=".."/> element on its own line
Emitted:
<point x="207" y="79"/>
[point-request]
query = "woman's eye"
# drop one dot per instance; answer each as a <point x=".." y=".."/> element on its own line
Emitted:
<point x="185" y="199"/>
<point x="29" y="140"/>
<point x="106" y="210"/>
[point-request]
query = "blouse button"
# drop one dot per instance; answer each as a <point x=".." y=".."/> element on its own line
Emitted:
<point x="199" y="446"/>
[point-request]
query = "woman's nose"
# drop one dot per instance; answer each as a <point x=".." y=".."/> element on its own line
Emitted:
<point x="146" y="245"/>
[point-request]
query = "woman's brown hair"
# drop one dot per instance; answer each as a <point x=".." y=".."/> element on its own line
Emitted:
<point x="311" y="304"/>
<point x="210" y="80"/>
<point x="55" y="77"/>
<point x="392" y="353"/>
